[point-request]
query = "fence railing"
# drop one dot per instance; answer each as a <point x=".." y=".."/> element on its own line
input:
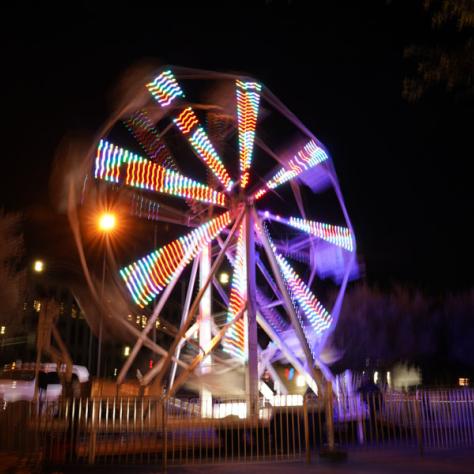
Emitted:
<point x="145" y="430"/>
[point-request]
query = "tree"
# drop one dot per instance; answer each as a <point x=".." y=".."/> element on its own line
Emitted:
<point x="12" y="278"/>
<point x="450" y="62"/>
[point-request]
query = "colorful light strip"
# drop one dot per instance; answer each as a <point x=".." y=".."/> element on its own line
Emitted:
<point x="317" y="315"/>
<point x="188" y="123"/>
<point x="144" y="174"/>
<point x="144" y="131"/>
<point x="235" y="340"/>
<point x="147" y="277"/>
<point x="248" y="101"/>
<point x="165" y="88"/>
<point x="109" y="158"/>
<point x="308" y="157"/>
<point x="340" y="236"/>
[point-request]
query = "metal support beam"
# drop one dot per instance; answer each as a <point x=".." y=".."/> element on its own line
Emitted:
<point x="252" y="348"/>
<point x="149" y="325"/>
<point x="204" y="321"/>
<point x="149" y="343"/>
<point x="294" y="361"/>
<point x="287" y="300"/>
<point x="200" y="357"/>
<point x="156" y="370"/>
<point x="187" y="302"/>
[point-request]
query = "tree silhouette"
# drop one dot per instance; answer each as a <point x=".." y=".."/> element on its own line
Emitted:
<point x="448" y="60"/>
<point x="12" y="278"/>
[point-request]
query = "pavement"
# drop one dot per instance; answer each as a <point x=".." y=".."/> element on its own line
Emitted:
<point x="368" y="462"/>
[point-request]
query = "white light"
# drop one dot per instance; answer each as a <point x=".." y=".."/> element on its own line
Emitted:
<point x="2" y="330"/>
<point x="389" y="381"/>
<point x="300" y="380"/>
<point x="126" y="351"/>
<point x="38" y="266"/>
<point x="376" y="376"/>
<point x="107" y="222"/>
<point x="222" y="410"/>
<point x="224" y="278"/>
<point x="115" y="372"/>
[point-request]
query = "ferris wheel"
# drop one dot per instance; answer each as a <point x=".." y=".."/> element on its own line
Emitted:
<point x="246" y="187"/>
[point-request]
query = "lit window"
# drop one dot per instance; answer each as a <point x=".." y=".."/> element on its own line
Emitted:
<point x="463" y="382"/>
<point x="37" y="305"/>
<point x="3" y="329"/>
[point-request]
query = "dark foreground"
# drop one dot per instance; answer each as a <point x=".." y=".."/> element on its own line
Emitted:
<point x="376" y="461"/>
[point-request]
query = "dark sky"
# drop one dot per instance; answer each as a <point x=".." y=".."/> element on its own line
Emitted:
<point x="403" y="168"/>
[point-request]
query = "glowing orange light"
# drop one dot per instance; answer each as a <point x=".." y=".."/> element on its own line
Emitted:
<point x="107" y="222"/>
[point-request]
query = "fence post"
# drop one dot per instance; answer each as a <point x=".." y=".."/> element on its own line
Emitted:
<point x="93" y="433"/>
<point x="329" y="415"/>
<point x="165" y="436"/>
<point x="418" y="427"/>
<point x="306" y="430"/>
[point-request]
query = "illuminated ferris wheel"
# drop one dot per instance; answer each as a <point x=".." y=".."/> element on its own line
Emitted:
<point x="246" y="187"/>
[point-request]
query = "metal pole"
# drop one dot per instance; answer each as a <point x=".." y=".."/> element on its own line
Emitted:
<point x="204" y="321"/>
<point x="151" y="322"/>
<point x="187" y="303"/>
<point x="101" y="314"/>
<point x="252" y="372"/>
<point x="287" y="300"/>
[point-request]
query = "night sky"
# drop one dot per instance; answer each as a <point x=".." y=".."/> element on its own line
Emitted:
<point x="403" y="168"/>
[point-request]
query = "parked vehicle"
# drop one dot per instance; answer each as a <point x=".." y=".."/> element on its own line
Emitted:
<point x="18" y="382"/>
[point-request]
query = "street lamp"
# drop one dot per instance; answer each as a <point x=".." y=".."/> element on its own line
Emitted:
<point x="106" y="223"/>
<point x="38" y="266"/>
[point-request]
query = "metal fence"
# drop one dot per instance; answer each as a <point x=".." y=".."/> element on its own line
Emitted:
<point x="144" y="430"/>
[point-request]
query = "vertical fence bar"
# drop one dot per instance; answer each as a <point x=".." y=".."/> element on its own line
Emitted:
<point x="419" y="432"/>
<point x="306" y="430"/>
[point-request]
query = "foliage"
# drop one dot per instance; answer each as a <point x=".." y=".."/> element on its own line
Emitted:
<point x="380" y="328"/>
<point x="12" y="279"/>
<point x="450" y="62"/>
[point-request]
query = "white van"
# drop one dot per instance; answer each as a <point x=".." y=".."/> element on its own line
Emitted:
<point x="17" y="382"/>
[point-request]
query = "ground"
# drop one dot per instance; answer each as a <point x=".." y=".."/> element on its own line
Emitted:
<point x="386" y="461"/>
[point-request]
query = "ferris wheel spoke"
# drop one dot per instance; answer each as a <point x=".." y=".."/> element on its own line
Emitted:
<point x="147" y="277"/>
<point x="308" y="157"/>
<point x="118" y="165"/>
<point x="336" y="235"/>
<point x="234" y="342"/>
<point x="143" y="130"/>
<point x="166" y="90"/>
<point x="248" y="102"/>
<point x="159" y="372"/>
<point x="317" y="315"/>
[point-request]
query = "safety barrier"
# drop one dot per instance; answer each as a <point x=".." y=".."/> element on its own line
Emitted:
<point x="146" y="430"/>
